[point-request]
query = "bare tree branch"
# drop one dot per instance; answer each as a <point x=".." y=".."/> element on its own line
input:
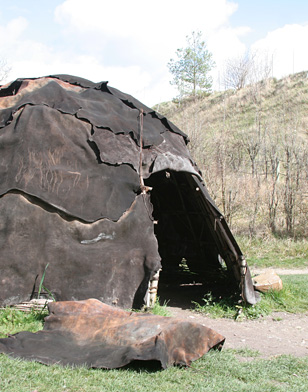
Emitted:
<point x="5" y="69"/>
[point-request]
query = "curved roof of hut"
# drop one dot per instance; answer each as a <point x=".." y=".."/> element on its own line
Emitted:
<point x="84" y="150"/>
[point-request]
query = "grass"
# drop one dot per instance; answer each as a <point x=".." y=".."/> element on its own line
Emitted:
<point x="224" y="128"/>
<point x="293" y="298"/>
<point x="13" y="321"/>
<point x="160" y="310"/>
<point x="275" y="252"/>
<point x="232" y="370"/>
<point x="157" y="309"/>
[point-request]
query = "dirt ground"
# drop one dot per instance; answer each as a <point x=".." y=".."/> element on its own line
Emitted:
<point x="280" y="333"/>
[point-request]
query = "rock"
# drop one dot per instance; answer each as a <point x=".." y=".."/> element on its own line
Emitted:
<point x="269" y="280"/>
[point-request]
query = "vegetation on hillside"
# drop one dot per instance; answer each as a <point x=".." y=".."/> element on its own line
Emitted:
<point x="251" y="146"/>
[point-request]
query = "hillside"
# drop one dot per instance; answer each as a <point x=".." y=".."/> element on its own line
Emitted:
<point x="251" y="146"/>
<point x="238" y="108"/>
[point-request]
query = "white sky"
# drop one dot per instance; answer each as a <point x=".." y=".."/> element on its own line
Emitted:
<point x="129" y="43"/>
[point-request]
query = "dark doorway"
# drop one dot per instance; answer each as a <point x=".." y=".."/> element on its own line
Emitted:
<point x="191" y="264"/>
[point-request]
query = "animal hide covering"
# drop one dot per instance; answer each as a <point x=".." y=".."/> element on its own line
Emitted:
<point x="96" y="335"/>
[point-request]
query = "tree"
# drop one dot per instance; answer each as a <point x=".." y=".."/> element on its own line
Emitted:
<point x="237" y="72"/>
<point x="191" y="69"/>
<point x="4" y="70"/>
<point x="246" y="69"/>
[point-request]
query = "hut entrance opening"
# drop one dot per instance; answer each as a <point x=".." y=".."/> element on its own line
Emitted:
<point x="191" y="264"/>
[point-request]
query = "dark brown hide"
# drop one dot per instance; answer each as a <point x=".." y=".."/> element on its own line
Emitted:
<point x="111" y="261"/>
<point x="96" y="335"/>
<point x="71" y="175"/>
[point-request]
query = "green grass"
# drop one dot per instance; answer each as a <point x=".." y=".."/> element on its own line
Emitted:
<point x="293" y="298"/>
<point x="229" y="370"/>
<point x="13" y="321"/>
<point x="232" y="370"/>
<point x="274" y="252"/>
<point x="157" y="309"/>
<point x="160" y="310"/>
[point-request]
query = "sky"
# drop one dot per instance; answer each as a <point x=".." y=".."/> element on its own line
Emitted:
<point x="129" y="43"/>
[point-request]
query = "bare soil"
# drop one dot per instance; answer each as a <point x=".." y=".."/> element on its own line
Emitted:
<point x="280" y="333"/>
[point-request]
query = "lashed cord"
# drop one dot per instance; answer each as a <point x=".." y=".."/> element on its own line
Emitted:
<point x="140" y="149"/>
<point x="144" y="189"/>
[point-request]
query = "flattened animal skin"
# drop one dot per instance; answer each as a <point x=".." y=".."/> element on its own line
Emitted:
<point x="96" y="335"/>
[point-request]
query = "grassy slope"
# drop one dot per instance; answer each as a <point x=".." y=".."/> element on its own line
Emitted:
<point x="275" y="252"/>
<point x="279" y="103"/>
<point x="239" y="109"/>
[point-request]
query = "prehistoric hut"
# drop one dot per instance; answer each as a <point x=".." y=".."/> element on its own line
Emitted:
<point x="103" y="191"/>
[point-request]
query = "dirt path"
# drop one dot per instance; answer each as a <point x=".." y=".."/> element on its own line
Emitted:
<point x="280" y="333"/>
<point x="281" y="271"/>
